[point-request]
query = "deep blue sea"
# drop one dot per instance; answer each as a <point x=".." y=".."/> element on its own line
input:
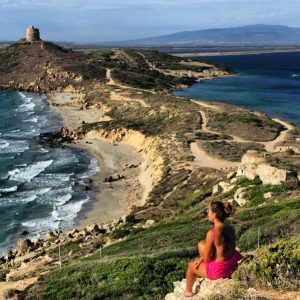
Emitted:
<point x="39" y="184"/>
<point x="268" y="83"/>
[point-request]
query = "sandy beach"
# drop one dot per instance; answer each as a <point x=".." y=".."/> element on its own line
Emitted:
<point x="110" y="200"/>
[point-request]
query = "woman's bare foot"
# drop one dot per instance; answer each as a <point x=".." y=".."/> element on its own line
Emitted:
<point x="188" y="295"/>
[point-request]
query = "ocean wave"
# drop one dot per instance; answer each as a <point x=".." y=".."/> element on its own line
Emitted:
<point x="61" y="217"/>
<point x="93" y="168"/>
<point x="25" y="107"/>
<point x="295" y="75"/>
<point x="68" y="212"/>
<point x="16" y="147"/>
<point x="22" y="95"/>
<point x="56" y="180"/>
<point x="27" y="174"/>
<point x="32" y="120"/>
<point x="3" y="144"/>
<point x="9" y="190"/>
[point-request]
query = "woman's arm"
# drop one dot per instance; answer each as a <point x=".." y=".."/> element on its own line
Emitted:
<point x="209" y="246"/>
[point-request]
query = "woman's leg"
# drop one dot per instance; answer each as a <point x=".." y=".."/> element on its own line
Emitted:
<point x="191" y="274"/>
<point x="201" y="248"/>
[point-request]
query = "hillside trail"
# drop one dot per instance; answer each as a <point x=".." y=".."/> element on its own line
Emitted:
<point x="203" y="159"/>
<point x="119" y="97"/>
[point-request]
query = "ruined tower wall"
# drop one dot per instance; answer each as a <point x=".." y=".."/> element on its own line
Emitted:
<point x="32" y="34"/>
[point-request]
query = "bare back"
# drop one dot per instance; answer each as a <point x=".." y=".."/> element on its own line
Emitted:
<point x="224" y="242"/>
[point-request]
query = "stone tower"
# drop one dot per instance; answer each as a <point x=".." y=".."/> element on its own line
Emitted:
<point x="32" y="34"/>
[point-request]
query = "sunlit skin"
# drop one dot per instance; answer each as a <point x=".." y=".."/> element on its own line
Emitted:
<point x="209" y="249"/>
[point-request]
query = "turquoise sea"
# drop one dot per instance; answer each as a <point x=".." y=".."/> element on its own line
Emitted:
<point x="41" y="187"/>
<point x="268" y="83"/>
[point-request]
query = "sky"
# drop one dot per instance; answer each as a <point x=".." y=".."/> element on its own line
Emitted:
<point x="115" y="20"/>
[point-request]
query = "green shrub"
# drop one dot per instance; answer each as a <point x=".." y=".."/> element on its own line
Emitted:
<point x="135" y="278"/>
<point x="276" y="265"/>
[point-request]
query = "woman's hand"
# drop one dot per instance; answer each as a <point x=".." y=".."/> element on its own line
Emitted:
<point x="198" y="262"/>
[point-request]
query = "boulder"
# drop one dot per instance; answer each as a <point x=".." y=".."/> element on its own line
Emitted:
<point x="92" y="228"/>
<point x="239" y="196"/>
<point x="226" y="186"/>
<point x="23" y="246"/>
<point x="113" y="178"/>
<point x="205" y="289"/>
<point x="72" y="233"/>
<point x="149" y="222"/>
<point x="216" y="189"/>
<point x="49" y="236"/>
<point x="271" y="175"/>
<point x="268" y="195"/>
<point x="248" y="171"/>
<point x="83" y="232"/>
<point x="10" y="255"/>
<point x="253" y="157"/>
<point x="36" y="242"/>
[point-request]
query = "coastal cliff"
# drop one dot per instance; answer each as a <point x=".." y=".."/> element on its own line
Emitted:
<point x="192" y="152"/>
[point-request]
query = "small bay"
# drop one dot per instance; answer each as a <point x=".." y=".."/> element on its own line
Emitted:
<point x="269" y="83"/>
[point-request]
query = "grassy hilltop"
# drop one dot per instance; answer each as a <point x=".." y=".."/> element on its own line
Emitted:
<point x="141" y="259"/>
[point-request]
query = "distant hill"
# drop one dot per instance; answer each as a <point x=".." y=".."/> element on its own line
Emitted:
<point x="246" y="35"/>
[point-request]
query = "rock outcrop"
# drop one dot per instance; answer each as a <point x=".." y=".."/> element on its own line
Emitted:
<point x="205" y="289"/>
<point x="254" y="165"/>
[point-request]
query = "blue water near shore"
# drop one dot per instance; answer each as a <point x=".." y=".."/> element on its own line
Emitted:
<point x="269" y="83"/>
<point x="39" y="184"/>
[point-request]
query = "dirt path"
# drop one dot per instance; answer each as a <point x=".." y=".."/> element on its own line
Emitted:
<point x="20" y="285"/>
<point x="203" y="159"/>
<point x="118" y="97"/>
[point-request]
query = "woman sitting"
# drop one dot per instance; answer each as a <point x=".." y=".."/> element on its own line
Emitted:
<point x="218" y="257"/>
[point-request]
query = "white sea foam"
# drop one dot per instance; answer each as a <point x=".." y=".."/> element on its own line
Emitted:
<point x="32" y="120"/>
<point x="28" y="173"/>
<point x="22" y="95"/>
<point x="3" y="144"/>
<point x="9" y="190"/>
<point x="16" y="147"/>
<point x="66" y="214"/>
<point x="295" y="75"/>
<point x="93" y="168"/>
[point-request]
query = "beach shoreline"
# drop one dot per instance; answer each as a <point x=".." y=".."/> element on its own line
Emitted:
<point x="108" y="200"/>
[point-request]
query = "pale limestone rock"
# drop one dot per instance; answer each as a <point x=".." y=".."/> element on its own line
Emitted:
<point x="204" y="289"/>
<point x="23" y="246"/>
<point x="268" y="195"/>
<point x="271" y="175"/>
<point x="83" y="232"/>
<point x="239" y="196"/>
<point x="150" y="222"/>
<point x="248" y="171"/>
<point x="226" y="186"/>
<point x="234" y="180"/>
<point x="253" y="157"/>
<point x="92" y="228"/>
<point x="48" y="236"/>
<point x="231" y="175"/>
<point x="216" y="189"/>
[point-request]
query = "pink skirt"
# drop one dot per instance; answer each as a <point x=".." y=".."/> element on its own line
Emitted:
<point x="223" y="269"/>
